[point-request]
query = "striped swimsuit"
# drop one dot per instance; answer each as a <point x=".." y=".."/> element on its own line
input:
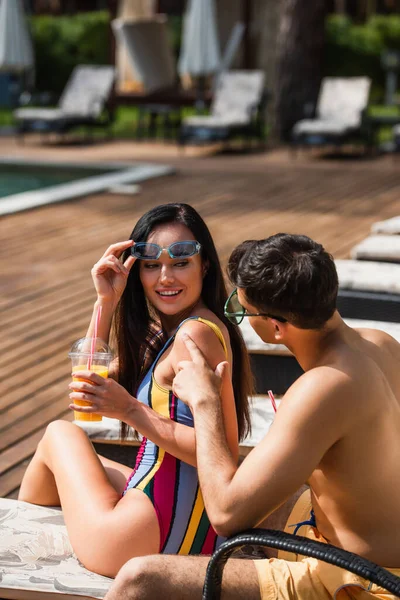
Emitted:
<point x="171" y="484"/>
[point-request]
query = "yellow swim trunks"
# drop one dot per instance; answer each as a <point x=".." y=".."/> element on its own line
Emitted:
<point x="292" y="577"/>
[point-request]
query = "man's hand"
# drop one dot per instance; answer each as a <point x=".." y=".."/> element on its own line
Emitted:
<point x="195" y="381"/>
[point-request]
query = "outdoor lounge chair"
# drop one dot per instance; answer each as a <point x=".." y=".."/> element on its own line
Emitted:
<point x="339" y="113"/>
<point x="275" y="368"/>
<point x="82" y="103"/>
<point x="237" y="109"/>
<point x="250" y="542"/>
<point x="369" y="290"/>
<point x="378" y="248"/>
<point x="388" y="227"/>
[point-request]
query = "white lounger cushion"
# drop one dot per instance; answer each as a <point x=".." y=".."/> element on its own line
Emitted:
<point x="320" y="127"/>
<point x="390" y="226"/>
<point x="262" y="415"/>
<point x="36" y="558"/>
<point x="255" y="345"/>
<point x="215" y="121"/>
<point x="106" y="430"/>
<point x="378" y="247"/>
<point x="41" y="114"/>
<point x="368" y="275"/>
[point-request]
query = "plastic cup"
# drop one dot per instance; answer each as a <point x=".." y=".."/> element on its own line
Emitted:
<point x="94" y="355"/>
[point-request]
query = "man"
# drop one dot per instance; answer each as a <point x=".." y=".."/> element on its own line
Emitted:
<point x="337" y="428"/>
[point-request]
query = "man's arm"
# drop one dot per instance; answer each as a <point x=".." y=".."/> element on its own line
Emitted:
<point x="309" y="421"/>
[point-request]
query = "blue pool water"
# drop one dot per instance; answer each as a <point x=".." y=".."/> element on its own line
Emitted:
<point x="15" y="179"/>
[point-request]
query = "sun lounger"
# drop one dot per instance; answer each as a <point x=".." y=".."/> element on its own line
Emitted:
<point x="275" y="368"/>
<point x="339" y="111"/>
<point x="388" y="227"/>
<point x="105" y="435"/>
<point x="369" y="290"/>
<point x="82" y="103"/>
<point x="36" y="558"/>
<point x="237" y="109"/>
<point x="378" y="247"/>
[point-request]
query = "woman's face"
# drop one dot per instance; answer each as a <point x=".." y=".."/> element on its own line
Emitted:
<point x="172" y="285"/>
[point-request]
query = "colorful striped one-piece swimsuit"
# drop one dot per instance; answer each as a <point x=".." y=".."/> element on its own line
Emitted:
<point x="171" y="484"/>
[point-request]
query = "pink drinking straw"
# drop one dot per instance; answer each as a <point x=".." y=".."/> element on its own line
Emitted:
<point x="93" y="343"/>
<point x="272" y="398"/>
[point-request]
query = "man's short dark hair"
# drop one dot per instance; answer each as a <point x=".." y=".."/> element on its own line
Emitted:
<point x="288" y="275"/>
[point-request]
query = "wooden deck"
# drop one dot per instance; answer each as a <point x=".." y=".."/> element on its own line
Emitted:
<point x="46" y="254"/>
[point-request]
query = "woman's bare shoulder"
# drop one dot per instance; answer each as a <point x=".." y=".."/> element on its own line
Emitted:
<point x="204" y="337"/>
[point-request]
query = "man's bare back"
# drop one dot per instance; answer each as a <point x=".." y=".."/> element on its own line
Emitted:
<point x="356" y="497"/>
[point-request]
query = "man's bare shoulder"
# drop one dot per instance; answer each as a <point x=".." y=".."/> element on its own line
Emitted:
<point x="319" y="393"/>
<point x="380" y="338"/>
<point x="324" y="378"/>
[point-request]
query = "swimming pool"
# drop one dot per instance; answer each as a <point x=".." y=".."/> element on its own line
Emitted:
<point x="26" y="183"/>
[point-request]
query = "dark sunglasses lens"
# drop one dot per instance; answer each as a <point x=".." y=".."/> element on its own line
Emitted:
<point x="183" y="249"/>
<point x="145" y="251"/>
<point x="234" y="310"/>
<point x="237" y="319"/>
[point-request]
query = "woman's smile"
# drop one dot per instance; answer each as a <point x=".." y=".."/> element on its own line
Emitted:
<point x="169" y="295"/>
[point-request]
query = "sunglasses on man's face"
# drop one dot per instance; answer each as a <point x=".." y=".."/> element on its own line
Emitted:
<point x="148" y="251"/>
<point x="235" y="312"/>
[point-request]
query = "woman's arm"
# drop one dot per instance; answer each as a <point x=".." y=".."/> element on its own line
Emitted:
<point x="109" y="276"/>
<point x="112" y="400"/>
<point x="214" y="353"/>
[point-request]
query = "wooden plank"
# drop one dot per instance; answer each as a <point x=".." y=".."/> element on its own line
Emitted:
<point x="32" y="423"/>
<point x="20" y="452"/>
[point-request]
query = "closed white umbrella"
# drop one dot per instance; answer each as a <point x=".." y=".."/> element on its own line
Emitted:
<point x="16" y="51"/>
<point x="200" y="54"/>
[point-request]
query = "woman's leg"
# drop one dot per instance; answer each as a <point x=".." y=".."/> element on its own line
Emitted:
<point x="39" y="486"/>
<point x="105" y="530"/>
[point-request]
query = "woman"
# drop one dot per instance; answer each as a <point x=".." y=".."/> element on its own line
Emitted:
<point x="164" y="281"/>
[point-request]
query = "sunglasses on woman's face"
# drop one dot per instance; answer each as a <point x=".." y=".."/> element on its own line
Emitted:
<point x="235" y="312"/>
<point x="148" y="251"/>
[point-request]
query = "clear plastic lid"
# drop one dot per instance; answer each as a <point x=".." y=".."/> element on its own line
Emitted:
<point x="83" y="347"/>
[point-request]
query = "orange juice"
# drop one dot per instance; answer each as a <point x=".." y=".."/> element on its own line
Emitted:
<point x="103" y="372"/>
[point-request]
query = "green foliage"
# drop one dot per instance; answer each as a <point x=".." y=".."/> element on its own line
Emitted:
<point x="388" y="28"/>
<point x="175" y="33"/>
<point x="356" y="49"/>
<point x="6" y="117"/>
<point x="62" y="42"/>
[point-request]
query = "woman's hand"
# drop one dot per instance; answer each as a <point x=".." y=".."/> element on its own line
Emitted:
<point x="107" y="397"/>
<point x="110" y="274"/>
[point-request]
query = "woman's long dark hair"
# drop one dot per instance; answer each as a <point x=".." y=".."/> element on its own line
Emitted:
<point x="135" y="326"/>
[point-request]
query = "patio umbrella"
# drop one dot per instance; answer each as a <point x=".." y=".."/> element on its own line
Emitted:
<point x="200" y="54"/>
<point x="16" y="51"/>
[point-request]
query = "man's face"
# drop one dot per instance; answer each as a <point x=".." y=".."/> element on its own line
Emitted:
<point x="263" y="326"/>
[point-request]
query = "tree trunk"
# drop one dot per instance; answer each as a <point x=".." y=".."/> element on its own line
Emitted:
<point x="340" y="7"/>
<point x="264" y="33"/>
<point x="300" y="58"/>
